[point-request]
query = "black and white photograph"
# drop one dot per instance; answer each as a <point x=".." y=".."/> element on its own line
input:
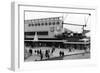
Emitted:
<point x="52" y="35"/>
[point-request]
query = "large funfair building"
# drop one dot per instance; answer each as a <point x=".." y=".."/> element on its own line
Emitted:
<point x="49" y="32"/>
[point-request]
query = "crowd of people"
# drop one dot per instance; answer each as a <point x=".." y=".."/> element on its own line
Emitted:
<point x="44" y="54"/>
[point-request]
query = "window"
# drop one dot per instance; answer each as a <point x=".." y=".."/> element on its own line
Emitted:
<point x="58" y="22"/>
<point x="42" y="24"/>
<point x="49" y="23"/>
<point x="53" y="23"/>
<point x="38" y="24"/>
<point x="29" y="25"/>
<point x="42" y="33"/>
<point x="29" y="33"/>
<point x="46" y="23"/>
<point x="32" y="24"/>
<point x="35" y="24"/>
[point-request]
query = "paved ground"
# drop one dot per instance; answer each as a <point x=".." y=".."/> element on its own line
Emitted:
<point x="75" y="54"/>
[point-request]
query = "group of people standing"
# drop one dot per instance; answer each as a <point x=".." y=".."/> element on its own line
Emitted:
<point x="42" y="53"/>
<point x="61" y="53"/>
<point x="46" y="54"/>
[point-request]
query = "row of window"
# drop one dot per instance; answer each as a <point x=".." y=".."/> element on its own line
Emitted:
<point x="42" y="24"/>
<point x="38" y="33"/>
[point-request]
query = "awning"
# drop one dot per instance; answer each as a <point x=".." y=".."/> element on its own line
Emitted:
<point x="63" y="41"/>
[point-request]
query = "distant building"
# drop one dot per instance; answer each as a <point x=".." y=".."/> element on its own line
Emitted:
<point x="44" y="28"/>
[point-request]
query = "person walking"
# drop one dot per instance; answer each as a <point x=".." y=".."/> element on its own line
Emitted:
<point x="53" y="49"/>
<point x="41" y="56"/>
<point x="47" y="54"/>
<point x="60" y="53"/>
<point x="30" y="52"/>
<point x="70" y="49"/>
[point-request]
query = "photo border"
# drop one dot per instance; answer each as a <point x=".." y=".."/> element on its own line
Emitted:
<point x="15" y="60"/>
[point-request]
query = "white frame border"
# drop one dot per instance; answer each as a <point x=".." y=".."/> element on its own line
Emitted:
<point x="15" y="58"/>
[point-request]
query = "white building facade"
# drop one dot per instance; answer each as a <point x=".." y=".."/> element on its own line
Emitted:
<point x="43" y="28"/>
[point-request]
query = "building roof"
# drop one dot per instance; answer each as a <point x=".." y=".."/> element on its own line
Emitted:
<point x="42" y="20"/>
